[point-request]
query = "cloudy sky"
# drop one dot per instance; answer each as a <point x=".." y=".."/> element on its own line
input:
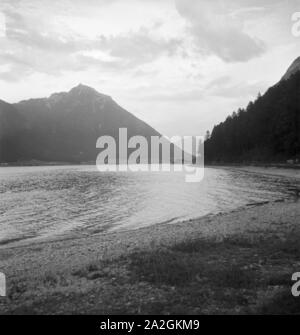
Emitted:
<point x="180" y="65"/>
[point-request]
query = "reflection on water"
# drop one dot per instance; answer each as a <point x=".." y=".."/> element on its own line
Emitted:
<point x="44" y="202"/>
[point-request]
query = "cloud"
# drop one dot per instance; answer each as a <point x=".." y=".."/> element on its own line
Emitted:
<point x="187" y="95"/>
<point x="31" y="46"/>
<point x="218" y="29"/>
<point x="2" y="25"/>
<point x="222" y="87"/>
<point x="237" y="90"/>
<point x="24" y="32"/>
<point x="138" y="47"/>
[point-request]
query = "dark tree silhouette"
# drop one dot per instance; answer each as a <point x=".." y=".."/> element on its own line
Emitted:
<point x="266" y="131"/>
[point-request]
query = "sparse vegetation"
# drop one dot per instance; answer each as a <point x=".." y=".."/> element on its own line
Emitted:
<point x="282" y="303"/>
<point x="233" y="276"/>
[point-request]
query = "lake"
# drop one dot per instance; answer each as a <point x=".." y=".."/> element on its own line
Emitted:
<point x="38" y="203"/>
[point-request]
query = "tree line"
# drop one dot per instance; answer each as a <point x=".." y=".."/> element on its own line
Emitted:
<point x="266" y="131"/>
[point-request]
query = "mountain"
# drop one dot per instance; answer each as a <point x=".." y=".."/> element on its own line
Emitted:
<point x="63" y="127"/>
<point x="268" y="130"/>
<point x="10" y="128"/>
<point x="294" y="68"/>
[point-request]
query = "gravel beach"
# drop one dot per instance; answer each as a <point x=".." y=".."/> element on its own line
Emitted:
<point x="49" y="277"/>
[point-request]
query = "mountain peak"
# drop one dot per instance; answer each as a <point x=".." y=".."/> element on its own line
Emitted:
<point x="67" y="126"/>
<point x="79" y="91"/>
<point x="86" y="91"/>
<point x="295" y="67"/>
<point x="82" y="89"/>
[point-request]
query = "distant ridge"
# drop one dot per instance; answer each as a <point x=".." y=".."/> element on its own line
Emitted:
<point x="63" y="127"/>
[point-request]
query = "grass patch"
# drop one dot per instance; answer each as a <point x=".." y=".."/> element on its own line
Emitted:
<point x="212" y="245"/>
<point x="220" y="276"/>
<point x="94" y="270"/>
<point x="290" y="246"/>
<point x="87" y="270"/>
<point x="50" y="279"/>
<point x="281" y="279"/>
<point x="232" y="276"/>
<point x="16" y="289"/>
<point x="194" y="246"/>
<point x="282" y="303"/>
<point x="164" y="267"/>
<point x="235" y="275"/>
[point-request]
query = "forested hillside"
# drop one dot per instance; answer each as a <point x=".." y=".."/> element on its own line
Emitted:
<point x="268" y="130"/>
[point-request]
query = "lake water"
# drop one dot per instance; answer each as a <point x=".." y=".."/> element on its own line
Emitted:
<point x="49" y="202"/>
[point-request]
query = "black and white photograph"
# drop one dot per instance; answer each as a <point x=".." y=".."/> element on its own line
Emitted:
<point x="149" y="160"/>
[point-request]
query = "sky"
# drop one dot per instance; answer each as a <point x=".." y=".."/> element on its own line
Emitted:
<point x="182" y="66"/>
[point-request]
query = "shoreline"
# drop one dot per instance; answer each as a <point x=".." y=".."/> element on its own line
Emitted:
<point x="294" y="166"/>
<point x="251" y="169"/>
<point x="68" y="268"/>
<point x="285" y="172"/>
<point x="291" y="172"/>
<point x="36" y="241"/>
